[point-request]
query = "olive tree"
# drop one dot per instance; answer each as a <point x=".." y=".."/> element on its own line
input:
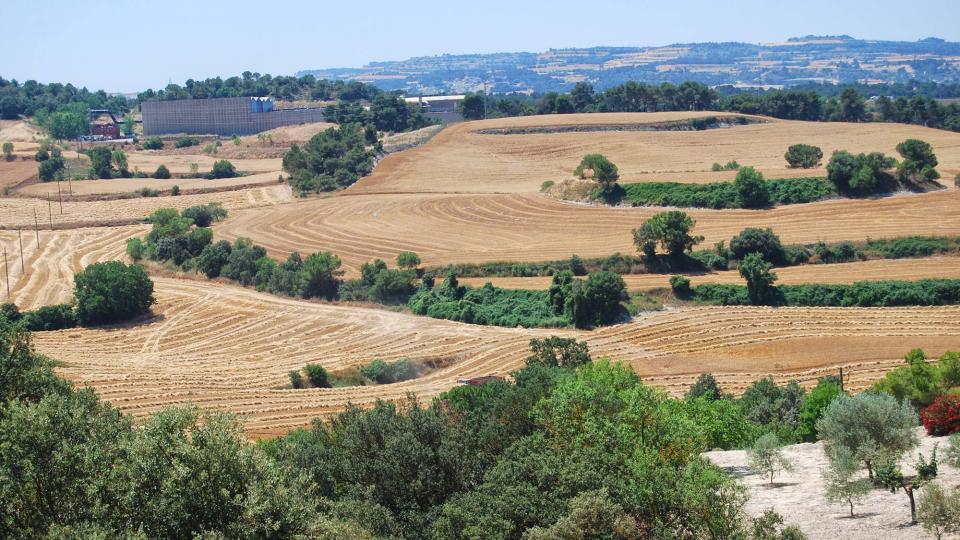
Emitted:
<point x="869" y="426"/>
<point x="766" y="456"/>
<point x="839" y="478"/>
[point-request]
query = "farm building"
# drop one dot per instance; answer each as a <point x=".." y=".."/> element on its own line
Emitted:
<point x="103" y="124"/>
<point x="221" y="116"/>
<point x="443" y="108"/>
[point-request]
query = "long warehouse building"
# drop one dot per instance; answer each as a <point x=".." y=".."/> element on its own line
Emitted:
<point x="221" y="116"/>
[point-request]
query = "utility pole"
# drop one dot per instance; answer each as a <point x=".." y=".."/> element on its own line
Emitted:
<point x="50" y="210"/>
<point x="841" y="379"/>
<point x="23" y="269"/>
<point x="36" y="226"/>
<point x="60" y="196"/>
<point x="6" y="271"/>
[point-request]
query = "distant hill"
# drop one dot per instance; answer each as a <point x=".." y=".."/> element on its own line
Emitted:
<point x="827" y="59"/>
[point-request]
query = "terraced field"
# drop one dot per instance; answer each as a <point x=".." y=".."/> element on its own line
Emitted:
<point x="225" y="347"/>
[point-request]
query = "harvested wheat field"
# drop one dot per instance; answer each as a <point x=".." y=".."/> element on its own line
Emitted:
<point x="15" y="171"/>
<point x="19" y="212"/>
<point x="873" y="270"/>
<point x="463" y="159"/>
<point x="130" y="185"/>
<point x="46" y="275"/>
<point x="467" y="228"/>
<point x="230" y="348"/>
<point x="149" y="161"/>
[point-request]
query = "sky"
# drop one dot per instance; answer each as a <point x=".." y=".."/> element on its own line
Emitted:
<point x="128" y="46"/>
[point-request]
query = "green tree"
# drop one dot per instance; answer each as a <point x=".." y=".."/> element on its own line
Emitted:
<point x="670" y="230"/>
<point x="67" y="124"/>
<point x="766" y="456"/>
<point x="919" y="382"/>
<point x="814" y="404"/>
<point x="119" y="158"/>
<point x="751" y="188"/>
<point x="592" y="515"/>
<point x="841" y="486"/>
<point x="408" y="260"/>
<point x="52" y="168"/>
<point x="869" y="426"/>
<point x="558" y="352"/>
<point x="101" y="162"/>
<point x="583" y="96"/>
<point x="111" y="292"/>
<point x="760" y="278"/>
<point x="756" y="240"/>
<point x="602" y="169"/>
<point x="705" y="387"/>
<point x="8" y="151"/>
<point x="803" y="156"/>
<point x="321" y="275"/>
<point x="918" y="161"/>
<point x="296" y="379"/>
<point x="852" y="106"/>
<point x="939" y="511"/>
<point x="472" y="107"/>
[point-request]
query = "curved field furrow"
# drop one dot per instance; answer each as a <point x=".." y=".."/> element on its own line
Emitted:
<point x="19" y="212"/>
<point x="447" y="229"/>
<point x="229" y="348"/>
<point x="46" y="276"/>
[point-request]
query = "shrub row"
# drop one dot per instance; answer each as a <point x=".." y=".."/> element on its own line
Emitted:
<point x="926" y="292"/>
<point x="719" y="195"/>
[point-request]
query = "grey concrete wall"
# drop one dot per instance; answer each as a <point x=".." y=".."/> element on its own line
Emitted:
<point x="219" y="116"/>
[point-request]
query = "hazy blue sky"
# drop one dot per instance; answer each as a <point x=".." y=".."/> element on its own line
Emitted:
<point x="132" y="45"/>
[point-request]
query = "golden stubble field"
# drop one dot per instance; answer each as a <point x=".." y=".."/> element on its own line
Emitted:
<point x="472" y="197"/>
<point x="230" y="348"/>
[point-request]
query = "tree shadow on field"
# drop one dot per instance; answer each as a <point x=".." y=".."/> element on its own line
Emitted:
<point x="142" y="320"/>
<point x="857" y="515"/>
<point x="737" y="471"/>
<point x="778" y="485"/>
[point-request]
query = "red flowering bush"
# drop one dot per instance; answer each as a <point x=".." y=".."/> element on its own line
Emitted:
<point x="942" y="417"/>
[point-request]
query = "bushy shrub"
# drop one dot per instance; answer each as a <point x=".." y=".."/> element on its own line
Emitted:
<point x="317" y="375"/>
<point x="863" y="174"/>
<point x="680" y="285"/>
<point x="205" y="214"/>
<point x="162" y="173"/>
<point x="296" y="379"/>
<point x="602" y="169"/>
<point x="184" y="142"/>
<point x="153" y="143"/>
<point x="111" y="292"/>
<point x="222" y="169"/>
<point x="55" y="317"/>
<point x="175" y="190"/>
<point x="918" y="161"/>
<point x="751" y="188"/>
<point x="942" y="417"/>
<point x="558" y="352"/>
<point x="720" y="195"/>
<point x="390" y="372"/>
